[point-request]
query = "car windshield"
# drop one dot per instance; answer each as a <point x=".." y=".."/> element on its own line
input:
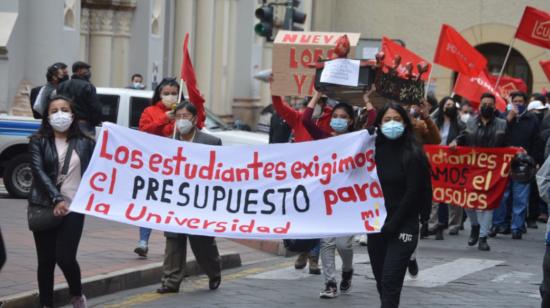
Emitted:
<point x="213" y="122"/>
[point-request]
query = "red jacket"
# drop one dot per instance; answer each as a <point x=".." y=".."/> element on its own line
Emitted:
<point x="155" y="121"/>
<point x="294" y="119"/>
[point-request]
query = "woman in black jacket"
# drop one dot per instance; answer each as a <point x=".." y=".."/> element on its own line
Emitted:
<point x="450" y="128"/>
<point x="48" y="147"/>
<point x="404" y="175"/>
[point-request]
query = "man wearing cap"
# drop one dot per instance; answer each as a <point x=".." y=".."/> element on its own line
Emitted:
<point x="86" y="103"/>
<point x="523" y="131"/>
<point x="56" y="74"/>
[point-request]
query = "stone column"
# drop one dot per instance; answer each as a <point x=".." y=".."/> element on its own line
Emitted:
<point x="84" y="34"/>
<point x="121" y="49"/>
<point x="101" y="45"/>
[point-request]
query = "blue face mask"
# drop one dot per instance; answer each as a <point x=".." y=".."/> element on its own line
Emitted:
<point x="521" y="108"/>
<point x="339" y="125"/>
<point x="393" y="129"/>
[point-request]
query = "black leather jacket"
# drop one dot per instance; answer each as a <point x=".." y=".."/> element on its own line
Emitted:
<point x="45" y="167"/>
<point x="86" y="102"/>
<point x="477" y="134"/>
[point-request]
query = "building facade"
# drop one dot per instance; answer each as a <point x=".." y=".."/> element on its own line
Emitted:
<point x="122" y="37"/>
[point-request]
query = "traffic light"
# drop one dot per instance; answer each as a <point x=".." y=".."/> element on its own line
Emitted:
<point x="265" y="26"/>
<point x="294" y="16"/>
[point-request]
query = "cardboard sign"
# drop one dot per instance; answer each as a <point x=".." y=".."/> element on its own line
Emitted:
<point x="294" y="51"/>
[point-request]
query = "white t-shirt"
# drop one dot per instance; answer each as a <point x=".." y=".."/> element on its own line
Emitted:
<point x="445" y="132"/>
<point x="72" y="180"/>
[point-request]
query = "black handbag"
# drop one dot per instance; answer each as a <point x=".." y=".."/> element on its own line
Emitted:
<point x="41" y="217"/>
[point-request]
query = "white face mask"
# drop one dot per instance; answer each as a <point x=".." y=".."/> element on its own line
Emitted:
<point x="61" y="121"/>
<point x="465" y="117"/>
<point x="184" y="126"/>
<point x="169" y="100"/>
<point x="138" y="85"/>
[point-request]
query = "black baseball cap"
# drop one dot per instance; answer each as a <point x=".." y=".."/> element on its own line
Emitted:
<point x="80" y="64"/>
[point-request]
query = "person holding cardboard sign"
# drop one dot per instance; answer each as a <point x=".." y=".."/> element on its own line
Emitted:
<point x="342" y="121"/>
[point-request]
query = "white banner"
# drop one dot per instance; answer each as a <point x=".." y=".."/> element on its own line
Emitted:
<point x="313" y="189"/>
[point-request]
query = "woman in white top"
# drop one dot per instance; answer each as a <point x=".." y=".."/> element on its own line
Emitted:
<point x="58" y="245"/>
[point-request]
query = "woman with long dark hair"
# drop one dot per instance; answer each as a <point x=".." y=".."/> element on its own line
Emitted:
<point x="60" y="153"/>
<point x="450" y="127"/>
<point x="158" y="119"/>
<point x="342" y="121"/>
<point x="404" y="175"/>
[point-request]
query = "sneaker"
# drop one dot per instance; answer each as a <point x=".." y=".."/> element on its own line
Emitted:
<point x="141" y="251"/>
<point x="516" y="235"/>
<point x="362" y="240"/>
<point x="79" y="301"/>
<point x="413" y="268"/>
<point x="330" y="291"/>
<point x="345" y="284"/>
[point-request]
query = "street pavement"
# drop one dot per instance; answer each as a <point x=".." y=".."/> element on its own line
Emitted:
<point x="105" y="247"/>
<point x="451" y="273"/>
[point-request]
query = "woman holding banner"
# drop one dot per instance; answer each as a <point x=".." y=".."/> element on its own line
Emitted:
<point x="204" y="247"/>
<point x="60" y="153"/>
<point x="404" y="175"/>
<point x="450" y="127"/>
<point x="158" y="119"/>
<point x="342" y="121"/>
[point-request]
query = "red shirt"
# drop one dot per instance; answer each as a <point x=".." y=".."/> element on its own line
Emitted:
<point x="155" y="121"/>
<point x="294" y="119"/>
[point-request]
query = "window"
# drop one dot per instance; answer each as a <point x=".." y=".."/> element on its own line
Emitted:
<point x="137" y="105"/>
<point x="109" y="107"/>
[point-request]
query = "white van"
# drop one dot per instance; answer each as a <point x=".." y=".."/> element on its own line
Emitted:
<point x="120" y="106"/>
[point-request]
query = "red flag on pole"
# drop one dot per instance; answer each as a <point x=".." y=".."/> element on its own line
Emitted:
<point x="546" y="68"/>
<point x="391" y="49"/>
<point x="471" y="88"/>
<point x="508" y="84"/>
<point x="534" y="27"/>
<point x="454" y="52"/>
<point x="188" y="75"/>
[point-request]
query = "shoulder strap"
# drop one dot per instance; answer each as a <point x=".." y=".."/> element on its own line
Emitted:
<point x="67" y="161"/>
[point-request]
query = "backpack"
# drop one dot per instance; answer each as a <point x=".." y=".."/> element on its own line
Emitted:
<point x="300" y="245"/>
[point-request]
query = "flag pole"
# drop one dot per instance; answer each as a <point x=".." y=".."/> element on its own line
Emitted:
<point x="504" y="64"/>
<point x="428" y="83"/>
<point x="179" y="101"/>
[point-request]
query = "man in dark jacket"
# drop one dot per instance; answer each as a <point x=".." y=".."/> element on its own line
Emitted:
<point x="87" y="106"/>
<point x="486" y="131"/>
<point x="523" y="131"/>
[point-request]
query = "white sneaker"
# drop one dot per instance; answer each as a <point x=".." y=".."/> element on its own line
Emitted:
<point x="330" y="291"/>
<point x="79" y="301"/>
<point x="362" y="240"/>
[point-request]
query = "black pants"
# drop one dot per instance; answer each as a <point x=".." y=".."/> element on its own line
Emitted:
<point x="545" y="288"/>
<point x="389" y="257"/>
<point x="59" y="245"/>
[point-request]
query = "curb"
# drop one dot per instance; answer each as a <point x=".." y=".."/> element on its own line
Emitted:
<point x="112" y="282"/>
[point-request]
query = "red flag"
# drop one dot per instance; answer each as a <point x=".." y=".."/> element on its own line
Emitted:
<point x="454" y="52"/>
<point x="546" y="68"/>
<point x="508" y="84"/>
<point x="188" y="75"/>
<point x="534" y="27"/>
<point x="471" y="88"/>
<point x="391" y="49"/>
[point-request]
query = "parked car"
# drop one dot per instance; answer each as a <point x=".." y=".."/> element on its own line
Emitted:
<point x="121" y="106"/>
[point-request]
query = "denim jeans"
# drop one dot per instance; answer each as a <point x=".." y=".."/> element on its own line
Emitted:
<point x="144" y="234"/>
<point x="520" y="202"/>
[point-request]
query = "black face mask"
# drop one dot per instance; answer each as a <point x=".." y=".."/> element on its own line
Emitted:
<point x="451" y="112"/>
<point x="87" y="76"/>
<point x="487" y="112"/>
